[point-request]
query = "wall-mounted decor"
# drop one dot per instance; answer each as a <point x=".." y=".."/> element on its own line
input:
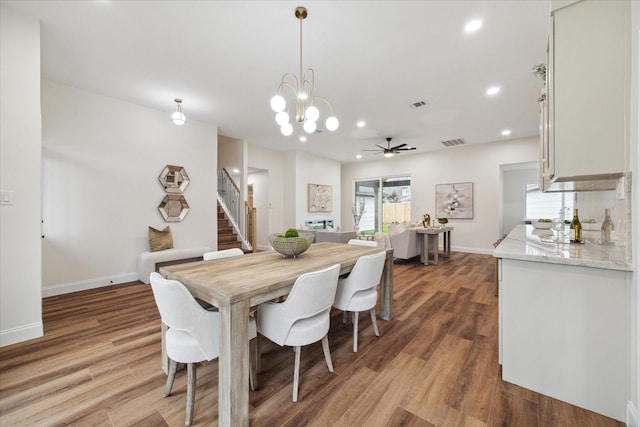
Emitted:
<point x="319" y="198"/>
<point x="173" y="208"/>
<point x="174" y="179"/>
<point x="454" y="200"/>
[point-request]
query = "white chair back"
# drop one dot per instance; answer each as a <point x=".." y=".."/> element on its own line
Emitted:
<point x="359" y="242"/>
<point x="181" y="313"/>
<point x="366" y="274"/>
<point x="303" y="318"/>
<point x="224" y="253"/>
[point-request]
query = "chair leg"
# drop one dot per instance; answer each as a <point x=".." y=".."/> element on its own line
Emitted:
<point x="374" y="322"/>
<point x="355" y="331"/>
<point x="191" y="391"/>
<point x="296" y="372"/>
<point x="258" y="353"/>
<point x="173" y="366"/>
<point x="344" y="317"/>
<point x="253" y="363"/>
<point x="327" y="353"/>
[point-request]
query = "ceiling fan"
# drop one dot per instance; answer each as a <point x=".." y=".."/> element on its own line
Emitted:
<point x="389" y="151"/>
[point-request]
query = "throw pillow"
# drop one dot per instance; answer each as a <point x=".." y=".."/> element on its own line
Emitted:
<point x="160" y="240"/>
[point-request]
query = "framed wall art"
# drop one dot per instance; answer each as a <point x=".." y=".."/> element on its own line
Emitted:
<point x="454" y="200"/>
<point x="319" y="198"/>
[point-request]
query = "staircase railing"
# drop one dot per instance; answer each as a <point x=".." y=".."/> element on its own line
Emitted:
<point x="228" y="196"/>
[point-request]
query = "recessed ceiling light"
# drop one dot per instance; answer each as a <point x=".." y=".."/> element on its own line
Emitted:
<point x="506" y="132"/>
<point x="303" y="139"/>
<point x="359" y="156"/>
<point x="493" y="90"/>
<point x="473" y="26"/>
<point x="361" y="124"/>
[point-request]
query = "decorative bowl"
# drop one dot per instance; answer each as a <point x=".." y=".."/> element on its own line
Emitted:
<point x="542" y="225"/>
<point x="291" y="247"/>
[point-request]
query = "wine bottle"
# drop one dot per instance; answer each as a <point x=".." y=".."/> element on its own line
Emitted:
<point x="576" y="227"/>
<point x="607" y="226"/>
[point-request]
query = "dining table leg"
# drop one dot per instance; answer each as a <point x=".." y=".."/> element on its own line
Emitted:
<point x="233" y="365"/>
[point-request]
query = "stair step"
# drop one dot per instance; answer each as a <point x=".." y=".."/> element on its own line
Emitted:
<point x="229" y="245"/>
<point x="227" y="238"/>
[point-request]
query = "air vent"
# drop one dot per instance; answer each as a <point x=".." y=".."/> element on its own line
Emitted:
<point x="417" y="104"/>
<point x="452" y="142"/>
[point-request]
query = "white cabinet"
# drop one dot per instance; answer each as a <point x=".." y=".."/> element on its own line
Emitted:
<point x="588" y="82"/>
<point x="563" y="332"/>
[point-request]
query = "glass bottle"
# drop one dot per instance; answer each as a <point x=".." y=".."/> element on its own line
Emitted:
<point x="607" y="226"/>
<point x="576" y="227"/>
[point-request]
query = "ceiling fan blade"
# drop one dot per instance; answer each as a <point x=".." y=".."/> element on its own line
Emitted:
<point x="406" y="149"/>
<point x="380" y="151"/>
<point x="382" y="148"/>
<point x="397" y="146"/>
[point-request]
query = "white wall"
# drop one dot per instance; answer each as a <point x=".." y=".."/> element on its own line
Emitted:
<point x="515" y="177"/>
<point x="312" y="169"/>
<point x="260" y="181"/>
<point x="101" y="161"/>
<point x="289" y="174"/>
<point x="479" y="164"/>
<point x="20" y="162"/>
<point x="272" y="162"/>
<point x="230" y="156"/>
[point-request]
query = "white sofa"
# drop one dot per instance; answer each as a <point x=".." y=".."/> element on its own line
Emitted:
<point x="322" y="235"/>
<point x="147" y="260"/>
<point x="404" y="241"/>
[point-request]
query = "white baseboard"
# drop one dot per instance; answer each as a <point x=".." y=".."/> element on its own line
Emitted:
<point x="83" y="285"/>
<point x="632" y="415"/>
<point x="21" y="333"/>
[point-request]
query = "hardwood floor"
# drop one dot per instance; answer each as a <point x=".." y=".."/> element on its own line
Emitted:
<point x="434" y="364"/>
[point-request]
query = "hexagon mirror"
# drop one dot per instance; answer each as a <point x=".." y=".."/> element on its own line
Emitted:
<point x="173" y="208"/>
<point x="174" y="179"/>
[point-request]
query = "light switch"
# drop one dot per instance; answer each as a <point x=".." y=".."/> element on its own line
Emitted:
<point x="6" y="198"/>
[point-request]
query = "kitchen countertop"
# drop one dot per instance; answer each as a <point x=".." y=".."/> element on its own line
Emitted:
<point x="526" y="243"/>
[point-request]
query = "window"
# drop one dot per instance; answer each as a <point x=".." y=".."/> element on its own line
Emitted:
<point x="547" y="205"/>
<point x="385" y="200"/>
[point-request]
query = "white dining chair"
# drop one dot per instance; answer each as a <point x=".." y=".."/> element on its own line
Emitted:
<point x="359" y="291"/>
<point x="224" y="253"/>
<point x="303" y="318"/>
<point x="359" y="242"/>
<point x="208" y="256"/>
<point x="192" y="336"/>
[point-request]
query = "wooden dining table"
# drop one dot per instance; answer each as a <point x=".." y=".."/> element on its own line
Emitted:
<point x="236" y="284"/>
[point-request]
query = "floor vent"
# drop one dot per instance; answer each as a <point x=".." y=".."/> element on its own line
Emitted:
<point x="452" y="142"/>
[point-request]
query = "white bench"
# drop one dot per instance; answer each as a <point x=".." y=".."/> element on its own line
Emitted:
<point x="147" y="261"/>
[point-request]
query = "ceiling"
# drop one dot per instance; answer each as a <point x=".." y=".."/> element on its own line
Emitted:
<point x="372" y="60"/>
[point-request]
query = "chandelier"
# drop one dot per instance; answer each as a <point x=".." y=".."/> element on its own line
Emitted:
<point x="305" y="99"/>
<point x="177" y="117"/>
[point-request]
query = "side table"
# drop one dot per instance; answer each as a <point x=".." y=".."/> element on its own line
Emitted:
<point x="429" y="252"/>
